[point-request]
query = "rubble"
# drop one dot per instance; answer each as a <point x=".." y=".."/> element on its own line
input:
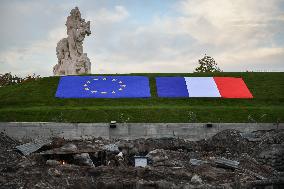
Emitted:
<point x="196" y="179"/>
<point x="52" y="162"/>
<point x="69" y="148"/>
<point x="226" y="163"/>
<point x="227" y="160"/>
<point x="83" y="159"/>
<point x="196" y="162"/>
<point x="157" y="156"/>
<point x="54" y="172"/>
<point x="111" y="147"/>
<point x="250" y="136"/>
<point x="273" y="156"/>
<point x="33" y="146"/>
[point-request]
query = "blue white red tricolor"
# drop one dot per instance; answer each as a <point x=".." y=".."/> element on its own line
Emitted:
<point x="224" y="87"/>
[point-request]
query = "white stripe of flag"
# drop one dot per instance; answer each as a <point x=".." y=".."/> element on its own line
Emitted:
<point x="201" y="87"/>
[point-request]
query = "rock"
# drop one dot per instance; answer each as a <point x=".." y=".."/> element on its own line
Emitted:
<point x="25" y="163"/>
<point x="157" y="155"/>
<point x="54" y="172"/>
<point x="83" y="159"/>
<point x="250" y="136"/>
<point x="196" y="162"/>
<point x="272" y="156"/>
<point x="196" y="179"/>
<point x="127" y="148"/>
<point x="52" y="162"/>
<point x="111" y="148"/>
<point x="3" y="179"/>
<point x="66" y="149"/>
<point x="226" y="163"/>
<point x="69" y="148"/>
<point x="69" y="51"/>
<point x="120" y="155"/>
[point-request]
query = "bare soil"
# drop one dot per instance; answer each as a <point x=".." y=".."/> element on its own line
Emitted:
<point x="260" y="157"/>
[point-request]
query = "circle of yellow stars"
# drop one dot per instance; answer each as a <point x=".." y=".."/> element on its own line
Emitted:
<point x="88" y="84"/>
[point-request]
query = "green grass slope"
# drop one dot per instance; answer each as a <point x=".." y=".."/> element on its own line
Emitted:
<point x="35" y="101"/>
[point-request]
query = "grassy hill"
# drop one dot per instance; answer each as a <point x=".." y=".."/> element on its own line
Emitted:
<point x="35" y="101"/>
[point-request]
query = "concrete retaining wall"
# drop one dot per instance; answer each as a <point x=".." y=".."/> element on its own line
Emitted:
<point x="191" y="131"/>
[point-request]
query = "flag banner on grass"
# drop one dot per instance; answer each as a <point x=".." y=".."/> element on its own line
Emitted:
<point x="103" y="87"/>
<point x="224" y="87"/>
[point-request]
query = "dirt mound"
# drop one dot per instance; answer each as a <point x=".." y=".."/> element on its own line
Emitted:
<point x="229" y="143"/>
<point x="227" y="160"/>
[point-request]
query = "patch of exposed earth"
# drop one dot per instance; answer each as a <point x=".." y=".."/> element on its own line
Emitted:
<point x="229" y="159"/>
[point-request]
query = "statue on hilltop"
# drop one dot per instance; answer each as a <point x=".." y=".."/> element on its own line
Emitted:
<point x="69" y="51"/>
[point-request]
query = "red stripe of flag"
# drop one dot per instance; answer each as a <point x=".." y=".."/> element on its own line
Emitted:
<point x="230" y="87"/>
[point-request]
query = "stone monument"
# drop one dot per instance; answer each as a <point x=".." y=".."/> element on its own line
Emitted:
<point x="69" y="51"/>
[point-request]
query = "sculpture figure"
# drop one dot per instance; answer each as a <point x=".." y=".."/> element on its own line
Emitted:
<point x="69" y="51"/>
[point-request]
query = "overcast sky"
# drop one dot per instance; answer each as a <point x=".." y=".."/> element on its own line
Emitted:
<point x="131" y="36"/>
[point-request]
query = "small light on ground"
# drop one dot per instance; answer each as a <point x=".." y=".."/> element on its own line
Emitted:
<point x="112" y="124"/>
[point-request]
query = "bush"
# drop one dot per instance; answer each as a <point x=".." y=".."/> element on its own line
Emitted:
<point x="9" y="79"/>
<point x="207" y="64"/>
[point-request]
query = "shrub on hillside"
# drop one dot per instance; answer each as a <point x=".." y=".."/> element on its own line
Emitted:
<point x="207" y="64"/>
<point x="9" y="79"/>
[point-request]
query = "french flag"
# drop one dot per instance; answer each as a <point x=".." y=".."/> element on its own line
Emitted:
<point x="220" y="87"/>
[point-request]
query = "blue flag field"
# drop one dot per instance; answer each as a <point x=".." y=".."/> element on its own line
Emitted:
<point x="103" y="87"/>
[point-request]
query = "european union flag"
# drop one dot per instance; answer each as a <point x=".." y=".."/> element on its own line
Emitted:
<point x="103" y="87"/>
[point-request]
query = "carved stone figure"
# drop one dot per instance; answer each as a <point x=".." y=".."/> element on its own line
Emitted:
<point x="69" y="51"/>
